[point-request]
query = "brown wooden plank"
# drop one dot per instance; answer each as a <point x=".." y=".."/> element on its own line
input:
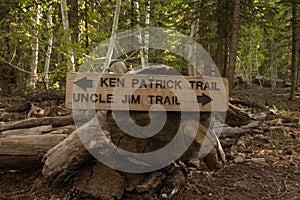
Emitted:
<point x="174" y="93"/>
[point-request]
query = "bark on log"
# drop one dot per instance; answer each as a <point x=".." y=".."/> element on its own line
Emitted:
<point x="20" y="162"/>
<point x="32" y="122"/>
<point x="21" y="107"/>
<point x="45" y="95"/>
<point x="250" y="104"/>
<point x="64" y="130"/>
<point x="70" y="153"/>
<point x="31" y="145"/>
<point x="229" y="131"/>
<point x="236" y="116"/>
<point x="29" y="131"/>
<point x="8" y="117"/>
<point x="26" y="151"/>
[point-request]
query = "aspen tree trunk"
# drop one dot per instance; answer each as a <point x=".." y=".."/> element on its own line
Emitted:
<point x="113" y="35"/>
<point x="234" y="43"/>
<point x="193" y="34"/>
<point x="273" y="63"/>
<point x="49" y="48"/>
<point x="86" y="24"/>
<point x="65" y="20"/>
<point x="147" y="22"/>
<point x="35" y="50"/>
<point x="140" y="38"/>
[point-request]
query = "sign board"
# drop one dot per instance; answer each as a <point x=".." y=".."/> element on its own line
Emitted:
<point x="145" y="91"/>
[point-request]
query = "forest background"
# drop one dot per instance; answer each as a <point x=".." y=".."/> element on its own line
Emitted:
<point x="41" y="41"/>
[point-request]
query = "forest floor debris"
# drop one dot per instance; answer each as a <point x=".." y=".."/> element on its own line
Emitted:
<point x="263" y="163"/>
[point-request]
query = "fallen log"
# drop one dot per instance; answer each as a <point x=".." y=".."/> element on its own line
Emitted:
<point x="8" y="117"/>
<point x="21" y="107"/>
<point x="70" y="153"/>
<point x="22" y="151"/>
<point x="248" y="103"/>
<point x="64" y="130"/>
<point x="31" y="145"/>
<point x="32" y="122"/>
<point x="20" y="162"/>
<point x="236" y="116"/>
<point x="29" y="131"/>
<point x="228" y="131"/>
<point x="44" y="95"/>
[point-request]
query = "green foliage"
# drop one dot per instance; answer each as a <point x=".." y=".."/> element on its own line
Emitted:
<point x="264" y="45"/>
<point x="265" y="41"/>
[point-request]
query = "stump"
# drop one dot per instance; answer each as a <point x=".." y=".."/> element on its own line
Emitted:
<point x="71" y="153"/>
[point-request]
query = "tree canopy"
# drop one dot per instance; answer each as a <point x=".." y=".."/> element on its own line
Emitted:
<point x="41" y="40"/>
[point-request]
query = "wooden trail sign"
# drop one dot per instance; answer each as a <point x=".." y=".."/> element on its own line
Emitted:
<point x="145" y="91"/>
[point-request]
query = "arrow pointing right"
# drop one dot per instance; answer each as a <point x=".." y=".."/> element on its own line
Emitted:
<point x="204" y="99"/>
<point x="84" y="83"/>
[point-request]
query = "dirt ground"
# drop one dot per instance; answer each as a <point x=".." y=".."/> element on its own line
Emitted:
<point x="269" y="168"/>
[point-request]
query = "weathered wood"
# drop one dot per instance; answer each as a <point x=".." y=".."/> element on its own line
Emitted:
<point x="21" y="107"/>
<point x="151" y="183"/>
<point x="248" y="103"/>
<point x="174" y="93"/>
<point x="20" y="162"/>
<point x="32" y="122"/>
<point x="29" y="131"/>
<point x="45" y="95"/>
<point x="64" y="130"/>
<point x="236" y="116"/>
<point x="100" y="182"/>
<point x="26" y="152"/>
<point x="70" y="153"/>
<point x="229" y="131"/>
<point x="8" y="117"/>
<point x="30" y="145"/>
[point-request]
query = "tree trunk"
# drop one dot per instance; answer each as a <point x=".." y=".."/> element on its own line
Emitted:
<point x="140" y="37"/>
<point x="86" y="25"/>
<point x="35" y="49"/>
<point x="298" y="70"/>
<point x="68" y="42"/>
<point x="234" y="43"/>
<point x="4" y="44"/>
<point x="132" y="17"/>
<point x="220" y="38"/>
<point x="147" y="36"/>
<point x="49" y="48"/>
<point x="294" y="51"/>
<point x="73" y="19"/>
<point x="111" y="46"/>
<point x="194" y="35"/>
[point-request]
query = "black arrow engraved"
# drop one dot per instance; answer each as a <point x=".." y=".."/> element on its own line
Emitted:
<point x="204" y="99"/>
<point x="84" y="83"/>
